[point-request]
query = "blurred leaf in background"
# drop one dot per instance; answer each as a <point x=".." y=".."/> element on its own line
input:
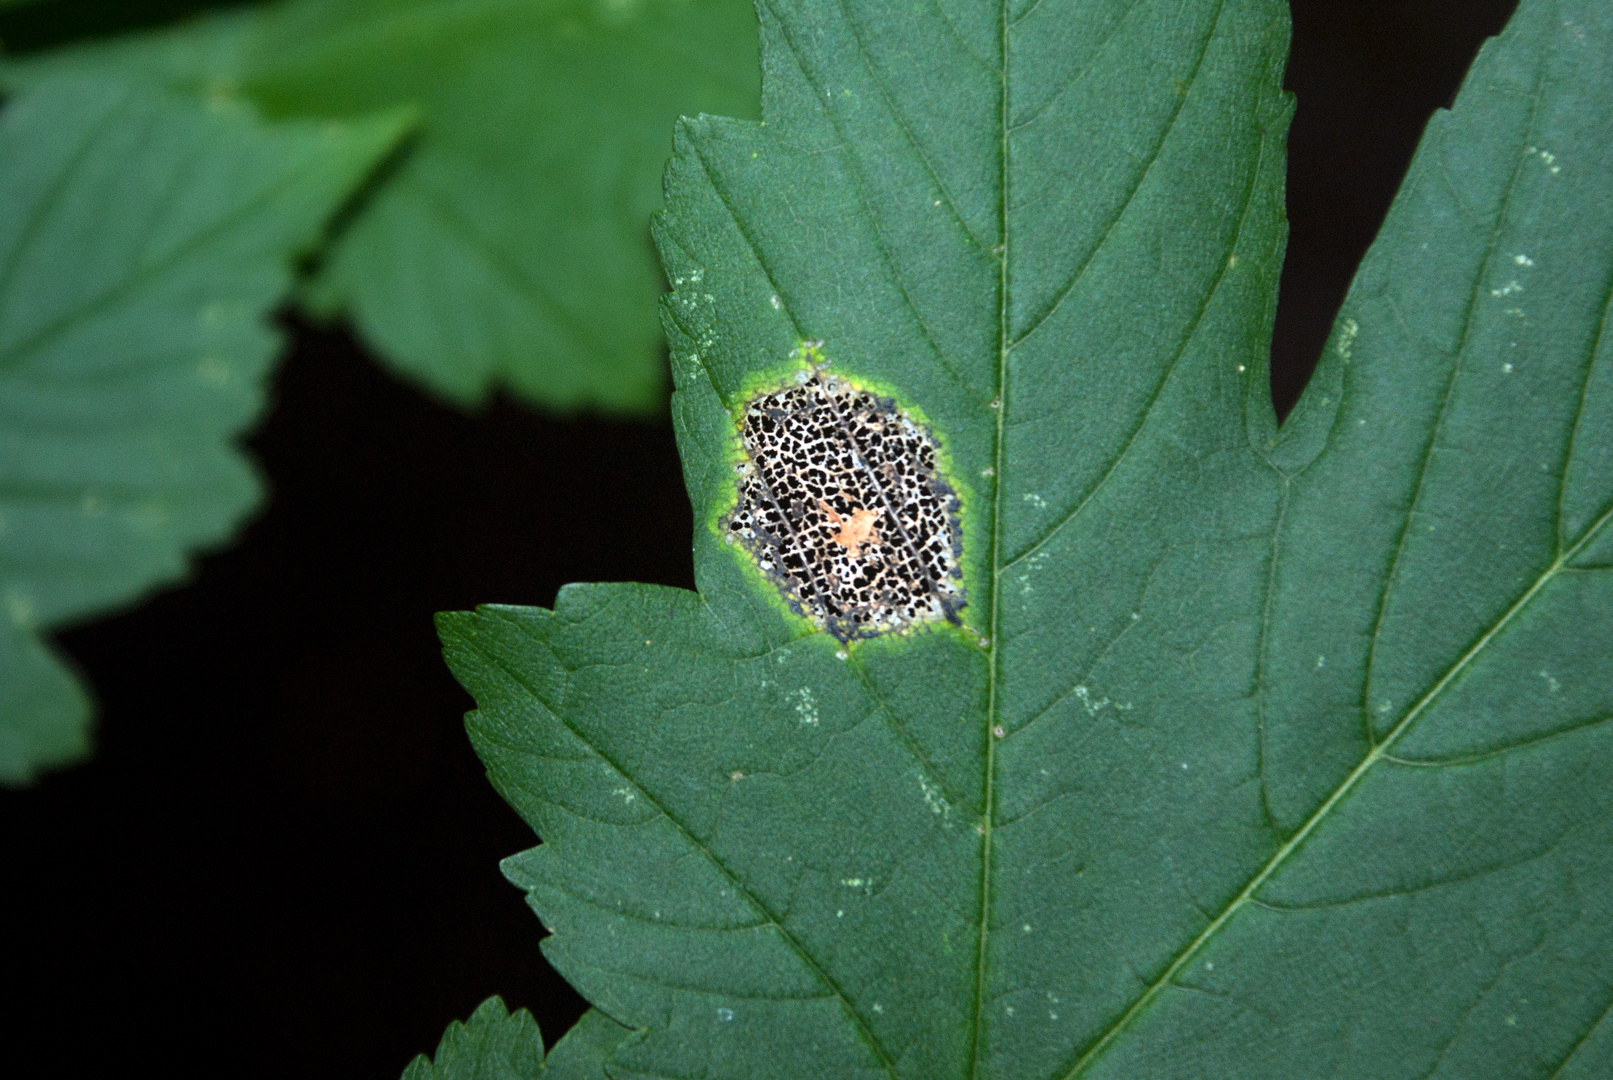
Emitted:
<point x="143" y="240"/>
<point x="511" y="245"/>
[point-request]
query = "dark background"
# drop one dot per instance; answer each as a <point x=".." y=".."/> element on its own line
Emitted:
<point x="284" y="858"/>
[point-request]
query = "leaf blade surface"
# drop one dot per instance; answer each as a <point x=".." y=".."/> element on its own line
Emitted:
<point x="495" y="1044"/>
<point x="1059" y="840"/>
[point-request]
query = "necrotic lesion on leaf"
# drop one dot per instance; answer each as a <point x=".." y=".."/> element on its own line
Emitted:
<point x="842" y="502"/>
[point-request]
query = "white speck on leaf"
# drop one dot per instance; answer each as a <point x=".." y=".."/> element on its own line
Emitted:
<point x="1032" y="564"/>
<point x="1094" y="707"/>
<point x="1347" y="337"/>
<point x="807" y="707"/>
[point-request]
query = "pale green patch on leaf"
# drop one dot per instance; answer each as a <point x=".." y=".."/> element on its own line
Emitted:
<point x="508" y="247"/>
<point x="143" y="243"/>
<point x="1264" y="753"/>
<point x="495" y="1044"/>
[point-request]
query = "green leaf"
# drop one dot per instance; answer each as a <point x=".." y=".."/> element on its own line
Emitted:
<point x="509" y="247"/>
<point x="498" y="1045"/>
<point x="143" y="243"/>
<point x="1257" y="753"/>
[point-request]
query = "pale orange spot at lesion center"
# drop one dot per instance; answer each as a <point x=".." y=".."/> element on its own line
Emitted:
<point x="854" y="532"/>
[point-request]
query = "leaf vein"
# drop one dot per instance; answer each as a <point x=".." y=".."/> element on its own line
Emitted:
<point x="885" y="255"/>
<point x="1142" y="178"/>
<point x="1377" y="753"/>
<point x="1496" y="227"/>
<point x="1165" y="374"/>
<point x="796" y="945"/>
<point x="906" y="127"/>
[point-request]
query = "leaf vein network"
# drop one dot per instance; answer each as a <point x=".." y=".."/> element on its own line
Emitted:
<point x="878" y="237"/>
<point x="1377" y="753"/>
<point x="865" y="1033"/>
<point x="882" y="704"/>
<point x="1165" y="376"/>
<point x="1597" y="340"/>
<point x="905" y="125"/>
<point x="1074" y="77"/>
<point x="963" y="39"/>
<point x="1500" y="751"/>
<point x="1585" y="1039"/>
<point x="1496" y="227"/>
<point x="1081" y="269"/>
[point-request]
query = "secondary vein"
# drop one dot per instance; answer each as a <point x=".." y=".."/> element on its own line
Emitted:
<point x="1378" y="753"/>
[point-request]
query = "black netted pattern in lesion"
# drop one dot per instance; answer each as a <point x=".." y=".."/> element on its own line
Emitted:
<point x="843" y="506"/>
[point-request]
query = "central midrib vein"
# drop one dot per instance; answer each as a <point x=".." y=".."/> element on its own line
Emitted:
<point x="1000" y="407"/>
